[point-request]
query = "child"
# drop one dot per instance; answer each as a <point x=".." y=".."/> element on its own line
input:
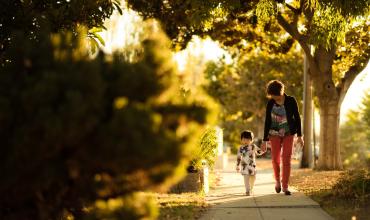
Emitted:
<point x="247" y="159"/>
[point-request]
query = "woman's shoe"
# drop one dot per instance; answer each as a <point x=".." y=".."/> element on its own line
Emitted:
<point x="287" y="192"/>
<point x="277" y="189"/>
<point x="247" y="193"/>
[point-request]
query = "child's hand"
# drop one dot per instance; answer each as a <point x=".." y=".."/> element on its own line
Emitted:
<point x="237" y="168"/>
<point x="264" y="146"/>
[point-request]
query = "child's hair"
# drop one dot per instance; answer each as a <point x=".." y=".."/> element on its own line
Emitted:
<point x="246" y="135"/>
<point x="275" y="87"/>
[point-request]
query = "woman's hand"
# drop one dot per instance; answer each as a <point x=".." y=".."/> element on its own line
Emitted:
<point x="300" y="141"/>
<point x="237" y="168"/>
<point x="264" y="146"/>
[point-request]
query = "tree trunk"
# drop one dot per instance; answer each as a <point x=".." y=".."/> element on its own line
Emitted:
<point x="306" y="160"/>
<point x="329" y="154"/>
<point x="329" y="105"/>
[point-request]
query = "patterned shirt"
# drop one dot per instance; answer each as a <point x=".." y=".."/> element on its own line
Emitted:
<point x="247" y="158"/>
<point x="279" y="122"/>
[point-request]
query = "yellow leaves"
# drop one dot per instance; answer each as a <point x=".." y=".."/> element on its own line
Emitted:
<point x="310" y="181"/>
<point x="266" y="10"/>
<point x="141" y="204"/>
<point x="111" y="204"/>
<point x="120" y="102"/>
<point x="70" y="46"/>
<point x="234" y="117"/>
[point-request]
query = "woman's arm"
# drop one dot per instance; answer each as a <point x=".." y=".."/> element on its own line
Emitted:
<point x="297" y="118"/>
<point x="267" y="121"/>
<point x="258" y="150"/>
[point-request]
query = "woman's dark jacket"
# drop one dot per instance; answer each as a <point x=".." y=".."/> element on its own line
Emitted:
<point x="292" y="114"/>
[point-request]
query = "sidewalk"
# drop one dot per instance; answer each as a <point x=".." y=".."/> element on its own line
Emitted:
<point x="229" y="202"/>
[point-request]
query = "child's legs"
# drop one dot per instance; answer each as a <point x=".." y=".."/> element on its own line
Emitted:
<point x="287" y="154"/>
<point x="246" y="182"/>
<point x="252" y="179"/>
<point x="275" y="156"/>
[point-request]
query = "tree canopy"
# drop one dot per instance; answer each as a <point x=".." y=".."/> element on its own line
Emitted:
<point x="31" y="16"/>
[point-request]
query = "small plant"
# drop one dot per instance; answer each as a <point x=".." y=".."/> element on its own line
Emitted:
<point x="207" y="149"/>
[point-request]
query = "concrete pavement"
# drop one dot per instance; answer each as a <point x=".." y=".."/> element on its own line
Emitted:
<point x="229" y="202"/>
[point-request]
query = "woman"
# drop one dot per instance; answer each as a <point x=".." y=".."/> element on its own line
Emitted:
<point x="282" y="122"/>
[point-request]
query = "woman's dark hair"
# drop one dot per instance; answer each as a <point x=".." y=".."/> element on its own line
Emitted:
<point x="275" y="87"/>
<point x="246" y="135"/>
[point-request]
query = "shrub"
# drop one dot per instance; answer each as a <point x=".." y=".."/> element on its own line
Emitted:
<point x="76" y="129"/>
<point x="353" y="184"/>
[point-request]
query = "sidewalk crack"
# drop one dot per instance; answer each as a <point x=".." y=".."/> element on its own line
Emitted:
<point x="259" y="209"/>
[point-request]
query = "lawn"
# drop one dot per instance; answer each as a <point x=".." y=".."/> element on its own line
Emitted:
<point x="185" y="205"/>
<point x="181" y="206"/>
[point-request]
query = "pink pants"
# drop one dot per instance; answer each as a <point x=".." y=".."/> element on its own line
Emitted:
<point x="276" y="144"/>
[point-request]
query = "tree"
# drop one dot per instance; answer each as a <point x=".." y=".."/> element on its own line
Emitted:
<point x="337" y="30"/>
<point x="31" y="16"/>
<point x="240" y="88"/>
<point x="77" y="130"/>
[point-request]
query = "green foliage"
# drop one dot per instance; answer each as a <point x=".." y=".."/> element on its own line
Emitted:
<point x="328" y="27"/>
<point x="131" y="207"/>
<point x="67" y="15"/>
<point x="183" y="19"/>
<point x="353" y="184"/>
<point x="206" y="149"/>
<point x="76" y="130"/>
<point x="207" y="18"/>
<point x="352" y="50"/>
<point x="346" y="8"/>
<point x="266" y="10"/>
<point x="355" y="137"/>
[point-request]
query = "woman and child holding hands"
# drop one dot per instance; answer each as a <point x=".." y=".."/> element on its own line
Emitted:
<point x="282" y="122"/>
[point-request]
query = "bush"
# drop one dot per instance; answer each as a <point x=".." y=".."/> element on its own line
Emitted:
<point x="77" y="130"/>
<point x="135" y="206"/>
<point x="353" y="184"/>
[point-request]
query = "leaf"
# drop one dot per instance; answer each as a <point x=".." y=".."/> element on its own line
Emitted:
<point x="118" y="7"/>
<point x="99" y="38"/>
<point x="94" y="45"/>
<point x="96" y="29"/>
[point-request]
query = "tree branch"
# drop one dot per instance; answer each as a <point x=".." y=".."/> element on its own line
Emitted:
<point x="293" y="9"/>
<point x="351" y="74"/>
<point x="292" y="29"/>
